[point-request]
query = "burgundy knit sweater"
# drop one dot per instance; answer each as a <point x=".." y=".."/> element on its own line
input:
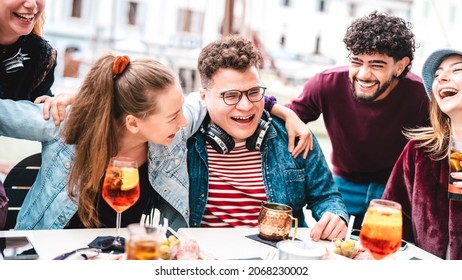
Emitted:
<point x="366" y="137"/>
<point x="431" y="220"/>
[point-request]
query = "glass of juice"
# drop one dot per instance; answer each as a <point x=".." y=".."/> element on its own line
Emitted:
<point x="455" y="157"/>
<point x="381" y="232"/>
<point x="143" y="242"/>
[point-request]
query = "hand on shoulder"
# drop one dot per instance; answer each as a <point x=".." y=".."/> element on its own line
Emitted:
<point x="55" y="105"/>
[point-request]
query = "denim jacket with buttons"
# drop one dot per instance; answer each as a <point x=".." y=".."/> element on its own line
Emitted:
<point x="295" y="182"/>
<point x="47" y="204"/>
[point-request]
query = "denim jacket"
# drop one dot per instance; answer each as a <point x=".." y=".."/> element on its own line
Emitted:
<point x="48" y="205"/>
<point x="295" y="182"/>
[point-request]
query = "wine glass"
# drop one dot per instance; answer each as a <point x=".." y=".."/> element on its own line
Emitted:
<point x="381" y="232"/>
<point x="121" y="189"/>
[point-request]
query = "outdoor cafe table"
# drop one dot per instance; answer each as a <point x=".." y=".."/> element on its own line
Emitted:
<point x="51" y="243"/>
<point x="222" y="243"/>
<point x="233" y="243"/>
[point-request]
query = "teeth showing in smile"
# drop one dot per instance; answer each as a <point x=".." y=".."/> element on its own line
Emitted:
<point x="28" y="17"/>
<point x="446" y="92"/>
<point x="243" y="118"/>
<point x="364" y="84"/>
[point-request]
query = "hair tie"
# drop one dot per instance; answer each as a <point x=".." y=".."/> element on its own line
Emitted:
<point x="120" y="64"/>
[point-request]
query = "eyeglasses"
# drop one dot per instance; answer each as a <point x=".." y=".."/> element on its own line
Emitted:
<point x="232" y="97"/>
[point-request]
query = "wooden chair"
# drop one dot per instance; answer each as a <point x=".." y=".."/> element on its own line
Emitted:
<point x="17" y="184"/>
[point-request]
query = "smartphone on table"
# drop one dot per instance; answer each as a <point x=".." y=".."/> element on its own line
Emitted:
<point x="17" y="248"/>
<point x="355" y="236"/>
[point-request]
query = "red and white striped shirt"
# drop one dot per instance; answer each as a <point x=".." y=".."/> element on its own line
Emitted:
<point x="236" y="188"/>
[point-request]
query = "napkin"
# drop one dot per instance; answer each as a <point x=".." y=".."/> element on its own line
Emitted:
<point x="105" y="244"/>
<point x="256" y="237"/>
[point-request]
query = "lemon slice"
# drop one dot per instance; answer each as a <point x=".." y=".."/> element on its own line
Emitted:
<point x="130" y="178"/>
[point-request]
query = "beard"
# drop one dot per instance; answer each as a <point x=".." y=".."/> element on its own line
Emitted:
<point x="373" y="97"/>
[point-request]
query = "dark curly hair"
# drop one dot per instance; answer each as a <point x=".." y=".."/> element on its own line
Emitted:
<point x="384" y="34"/>
<point x="232" y="51"/>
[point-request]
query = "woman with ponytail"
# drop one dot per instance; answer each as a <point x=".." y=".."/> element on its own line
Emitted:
<point x="123" y="108"/>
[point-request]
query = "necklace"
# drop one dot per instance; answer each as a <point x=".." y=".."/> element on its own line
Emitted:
<point x="14" y="64"/>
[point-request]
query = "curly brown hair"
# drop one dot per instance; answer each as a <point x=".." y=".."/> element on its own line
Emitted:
<point x="232" y="51"/>
<point x="384" y="34"/>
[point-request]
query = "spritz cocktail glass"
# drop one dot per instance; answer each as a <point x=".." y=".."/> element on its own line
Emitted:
<point x="121" y="189"/>
<point x="382" y="228"/>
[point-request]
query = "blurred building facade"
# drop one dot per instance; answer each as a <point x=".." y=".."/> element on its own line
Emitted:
<point x="437" y="24"/>
<point x="297" y="37"/>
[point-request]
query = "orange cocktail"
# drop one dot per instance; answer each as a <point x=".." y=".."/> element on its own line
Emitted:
<point x="381" y="232"/>
<point x="121" y="187"/>
<point x="455" y="158"/>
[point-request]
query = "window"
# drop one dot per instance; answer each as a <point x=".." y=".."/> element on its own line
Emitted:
<point x="132" y="13"/>
<point x="190" y="21"/>
<point x="184" y="24"/>
<point x="282" y="41"/>
<point x="426" y="9"/>
<point x="76" y="8"/>
<point x="452" y="14"/>
<point x="317" y="47"/>
<point x="286" y="3"/>
<point x="187" y="79"/>
<point x="322" y="6"/>
<point x="352" y="10"/>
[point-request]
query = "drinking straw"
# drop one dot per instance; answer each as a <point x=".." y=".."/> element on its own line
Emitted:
<point x="156" y="218"/>
<point x="350" y="227"/>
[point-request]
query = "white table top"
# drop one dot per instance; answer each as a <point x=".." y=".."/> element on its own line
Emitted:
<point x="229" y="243"/>
<point x="232" y="243"/>
<point x="51" y="243"/>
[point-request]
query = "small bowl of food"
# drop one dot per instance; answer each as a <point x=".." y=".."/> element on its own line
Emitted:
<point x="347" y="248"/>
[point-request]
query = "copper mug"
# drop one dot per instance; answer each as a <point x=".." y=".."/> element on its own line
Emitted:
<point x="275" y="221"/>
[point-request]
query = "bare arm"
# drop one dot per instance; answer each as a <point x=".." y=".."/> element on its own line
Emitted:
<point x="295" y="129"/>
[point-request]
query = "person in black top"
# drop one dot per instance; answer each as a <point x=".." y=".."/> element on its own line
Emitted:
<point x="27" y="61"/>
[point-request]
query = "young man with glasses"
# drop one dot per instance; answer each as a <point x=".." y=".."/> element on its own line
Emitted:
<point x="239" y="157"/>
